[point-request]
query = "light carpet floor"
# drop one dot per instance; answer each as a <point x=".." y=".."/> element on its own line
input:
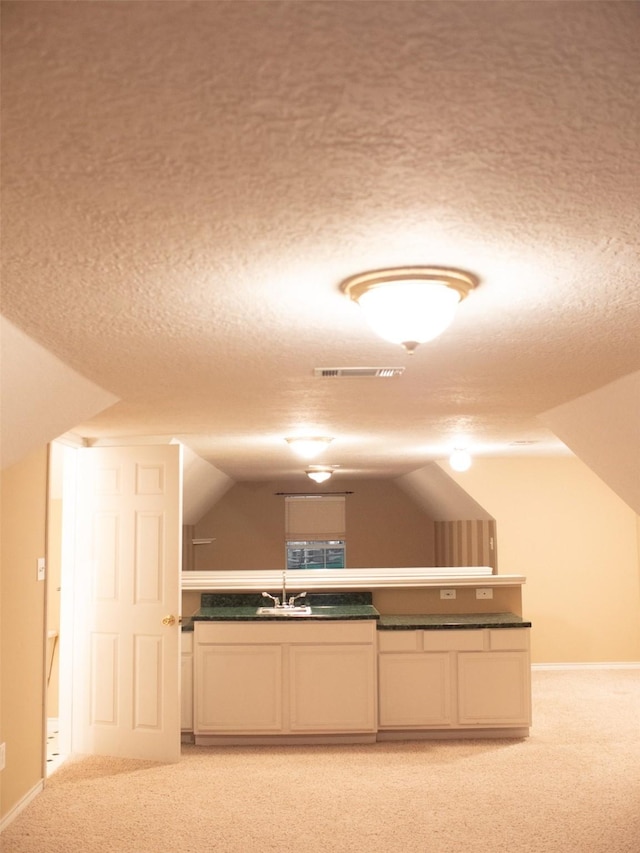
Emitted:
<point x="573" y="785"/>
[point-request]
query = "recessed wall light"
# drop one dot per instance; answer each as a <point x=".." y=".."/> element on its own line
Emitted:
<point x="460" y="459"/>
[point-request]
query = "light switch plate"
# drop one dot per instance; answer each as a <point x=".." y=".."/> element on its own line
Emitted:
<point x="3" y="748"/>
<point x="41" y="568"/>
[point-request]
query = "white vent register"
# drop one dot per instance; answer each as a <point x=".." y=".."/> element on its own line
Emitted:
<point x="357" y="372"/>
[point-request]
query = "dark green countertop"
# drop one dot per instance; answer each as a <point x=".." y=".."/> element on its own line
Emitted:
<point x="457" y="621"/>
<point x="318" y="613"/>
<point x="241" y="607"/>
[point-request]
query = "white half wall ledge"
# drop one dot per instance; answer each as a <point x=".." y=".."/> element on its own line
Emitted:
<point x="42" y="397"/>
<point x="602" y="428"/>
<point x="257" y="580"/>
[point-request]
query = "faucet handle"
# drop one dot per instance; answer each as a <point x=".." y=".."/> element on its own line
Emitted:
<point x="294" y="598"/>
<point x="274" y="598"/>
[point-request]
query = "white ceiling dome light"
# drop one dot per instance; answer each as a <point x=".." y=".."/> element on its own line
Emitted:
<point x="409" y="305"/>
<point x="319" y="473"/>
<point x="308" y="447"/>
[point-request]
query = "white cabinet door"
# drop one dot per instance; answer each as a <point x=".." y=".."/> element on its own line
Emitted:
<point x="279" y="679"/>
<point x="238" y="689"/>
<point x="414" y="689"/>
<point x="332" y="688"/>
<point x="494" y="689"/>
<point x="455" y="679"/>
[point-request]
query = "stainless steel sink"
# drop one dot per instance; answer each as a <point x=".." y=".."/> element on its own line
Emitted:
<point x="287" y="610"/>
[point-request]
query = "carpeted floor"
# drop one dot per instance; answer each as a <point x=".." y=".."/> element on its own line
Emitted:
<point x="573" y="785"/>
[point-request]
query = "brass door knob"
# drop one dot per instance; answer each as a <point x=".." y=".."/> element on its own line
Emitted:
<point x="169" y="620"/>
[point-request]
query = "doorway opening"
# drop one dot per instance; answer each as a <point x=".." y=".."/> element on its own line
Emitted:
<point x="60" y="559"/>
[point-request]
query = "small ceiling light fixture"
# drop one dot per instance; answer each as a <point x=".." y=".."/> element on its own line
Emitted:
<point x="460" y="459"/>
<point x="308" y="448"/>
<point x="319" y="473"/>
<point x="409" y="305"/>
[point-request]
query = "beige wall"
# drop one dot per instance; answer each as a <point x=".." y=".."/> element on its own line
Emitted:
<point x="22" y="602"/>
<point x="385" y="528"/>
<point x="577" y="544"/>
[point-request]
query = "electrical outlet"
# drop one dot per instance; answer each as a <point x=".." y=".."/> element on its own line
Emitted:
<point x="3" y="752"/>
<point x="447" y="593"/>
<point x="484" y="593"/>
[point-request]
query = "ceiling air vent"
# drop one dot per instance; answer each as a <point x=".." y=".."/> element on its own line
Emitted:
<point x="355" y="372"/>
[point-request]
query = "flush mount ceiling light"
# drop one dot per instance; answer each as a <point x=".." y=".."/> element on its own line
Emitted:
<point x="308" y="447"/>
<point x="319" y="473"/>
<point x="409" y="305"/>
<point x="460" y="459"/>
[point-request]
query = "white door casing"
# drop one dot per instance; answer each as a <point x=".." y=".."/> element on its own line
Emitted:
<point x="126" y="676"/>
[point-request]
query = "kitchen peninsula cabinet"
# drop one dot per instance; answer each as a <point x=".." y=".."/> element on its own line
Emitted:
<point x="442" y="680"/>
<point x="285" y="680"/>
<point x="343" y="672"/>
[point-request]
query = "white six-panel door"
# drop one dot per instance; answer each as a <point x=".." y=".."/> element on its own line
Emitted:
<point x="127" y="604"/>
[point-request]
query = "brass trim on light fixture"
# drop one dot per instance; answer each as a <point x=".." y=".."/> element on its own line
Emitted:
<point x="409" y="305"/>
<point x="319" y="476"/>
<point x="325" y="472"/>
<point x="458" y="280"/>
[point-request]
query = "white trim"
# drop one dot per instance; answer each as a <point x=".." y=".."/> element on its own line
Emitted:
<point x="256" y="580"/>
<point x="453" y="733"/>
<point x="593" y="665"/>
<point x="71" y="439"/>
<point x="21" y="804"/>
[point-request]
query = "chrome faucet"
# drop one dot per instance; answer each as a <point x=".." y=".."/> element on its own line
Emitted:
<point x="276" y="600"/>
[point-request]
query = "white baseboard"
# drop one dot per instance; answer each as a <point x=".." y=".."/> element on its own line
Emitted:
<point x="603" y="665"/>
<point x="19" y="806"/>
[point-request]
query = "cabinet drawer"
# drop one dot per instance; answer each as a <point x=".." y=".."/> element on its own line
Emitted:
<point x="358" y="631"/>
<point x="398" y="641"/>
<point x="453" y="641"/>
<point x="506" y="639"/>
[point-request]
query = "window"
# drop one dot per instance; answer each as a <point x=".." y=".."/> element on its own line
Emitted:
<point x="319" y="554"/>
<point x="315" y="531"/>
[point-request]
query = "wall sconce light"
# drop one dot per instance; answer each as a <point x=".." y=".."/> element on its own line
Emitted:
<point x="319" y="473"/>
<point x="308" y="448"/>
<point x="409" y="305"/>
<point x="460" y="459"/>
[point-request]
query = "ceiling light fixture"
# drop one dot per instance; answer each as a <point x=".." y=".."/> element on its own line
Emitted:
<point x="319" y="473"/>
<point x="409" y="305"/>
<point x="308" y="447"/>
<point x="460" y="459"/>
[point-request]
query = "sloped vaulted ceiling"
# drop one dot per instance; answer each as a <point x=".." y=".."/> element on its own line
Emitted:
<point x="603" y="429"/>
<point x="186" y="184"/>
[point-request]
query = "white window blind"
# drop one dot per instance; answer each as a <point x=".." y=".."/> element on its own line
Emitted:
<point x="315" y="517"/>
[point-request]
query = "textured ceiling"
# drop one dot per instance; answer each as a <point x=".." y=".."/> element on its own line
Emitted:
<point x="185" y="185"/>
